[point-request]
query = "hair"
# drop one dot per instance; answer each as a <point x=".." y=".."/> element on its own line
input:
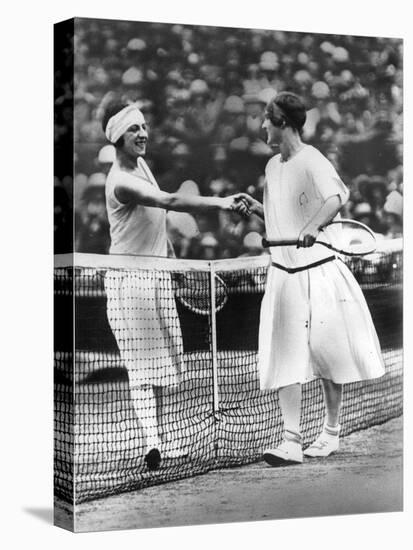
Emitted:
<point x="111" y="110"/>
<point x="293" y="113"/>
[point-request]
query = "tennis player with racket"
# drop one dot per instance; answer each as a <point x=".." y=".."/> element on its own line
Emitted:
<point x="314" y="321"/>
<point x="148" y="333"/>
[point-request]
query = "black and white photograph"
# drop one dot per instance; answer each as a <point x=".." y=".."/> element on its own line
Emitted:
<point x="228" y="262"/>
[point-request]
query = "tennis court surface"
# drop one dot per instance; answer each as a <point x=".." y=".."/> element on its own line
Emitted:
<point x="365" y="476"/>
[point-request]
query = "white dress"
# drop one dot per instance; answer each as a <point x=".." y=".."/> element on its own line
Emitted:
<point x="140" y="303"/>
<point x="313" y="323"/>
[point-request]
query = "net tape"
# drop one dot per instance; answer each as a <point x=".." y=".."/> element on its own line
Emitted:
<point x="131" y="328"/>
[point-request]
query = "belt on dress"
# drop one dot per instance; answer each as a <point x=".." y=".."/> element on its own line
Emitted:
<point x="304" y="267"/>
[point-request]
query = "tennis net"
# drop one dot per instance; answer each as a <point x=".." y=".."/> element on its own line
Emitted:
<point x="187" y="332"/>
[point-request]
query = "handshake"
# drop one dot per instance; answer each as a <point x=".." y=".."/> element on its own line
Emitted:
<point x="241" y="203"/>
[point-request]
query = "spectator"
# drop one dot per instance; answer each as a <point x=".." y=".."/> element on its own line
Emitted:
<point x="180" y="169"/>
<point x="209" y="246"/>
<point x="324" y="115"/>
<point x="93" y="227"/>
<point x="269" y="72"/>
<point x="252" y="244"/>
<point x="209" y="86"/>
<point x="393" y="213"/>
<point x="254" y="111"/>
<point x="363" y="213"/>
<point x="374" y="191"/>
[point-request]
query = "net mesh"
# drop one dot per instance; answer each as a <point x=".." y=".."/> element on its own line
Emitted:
<point x="146" y="364"/>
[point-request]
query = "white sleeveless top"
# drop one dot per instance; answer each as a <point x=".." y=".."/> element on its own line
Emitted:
<point x="134" y="228"/>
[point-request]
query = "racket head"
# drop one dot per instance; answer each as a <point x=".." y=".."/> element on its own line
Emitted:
<point x="348" y="237"/>
<point x="194" y="292"/>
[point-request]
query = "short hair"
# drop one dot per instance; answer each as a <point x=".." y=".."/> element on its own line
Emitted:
<point x="292" y="110"/>
<point x="111" y="110"/>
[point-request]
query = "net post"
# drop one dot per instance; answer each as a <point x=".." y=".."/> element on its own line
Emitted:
<point x="214" y="341"/>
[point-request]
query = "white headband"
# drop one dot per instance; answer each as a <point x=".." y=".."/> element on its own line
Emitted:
<point x="119" y="123"/>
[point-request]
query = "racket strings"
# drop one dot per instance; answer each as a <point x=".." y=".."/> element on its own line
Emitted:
<point x="194" y="292"/>
<point x="344" y="236"/>
<point x="349" y="237"/>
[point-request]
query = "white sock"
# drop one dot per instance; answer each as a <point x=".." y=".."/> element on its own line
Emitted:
<point x="293" y="436"/>
<point x="289" y="399"/>
<point x="332" y="431"/>
<point x="144" y="402"/>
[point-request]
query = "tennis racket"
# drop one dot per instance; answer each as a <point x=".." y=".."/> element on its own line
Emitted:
<point x="348" y="237"/>
<point x="194" y="292"/>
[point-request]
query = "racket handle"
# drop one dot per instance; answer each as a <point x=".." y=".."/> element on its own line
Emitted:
<point x="281" y="242"/>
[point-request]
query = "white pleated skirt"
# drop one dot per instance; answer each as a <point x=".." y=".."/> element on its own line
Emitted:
<point x="316" y="324"/>
<point x="143" y="317"/>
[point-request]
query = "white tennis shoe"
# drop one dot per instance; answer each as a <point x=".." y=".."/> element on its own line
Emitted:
<point x="326" y="443"/>
<point x="174" y="453"/>
<point x="288" y="452"/>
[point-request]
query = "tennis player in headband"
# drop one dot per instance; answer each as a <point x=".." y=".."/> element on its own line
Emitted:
<point x="314" y="319"/>
<point x="140" y="310"/>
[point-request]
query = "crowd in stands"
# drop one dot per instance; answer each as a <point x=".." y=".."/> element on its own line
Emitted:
<point x="203" y="91"/>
